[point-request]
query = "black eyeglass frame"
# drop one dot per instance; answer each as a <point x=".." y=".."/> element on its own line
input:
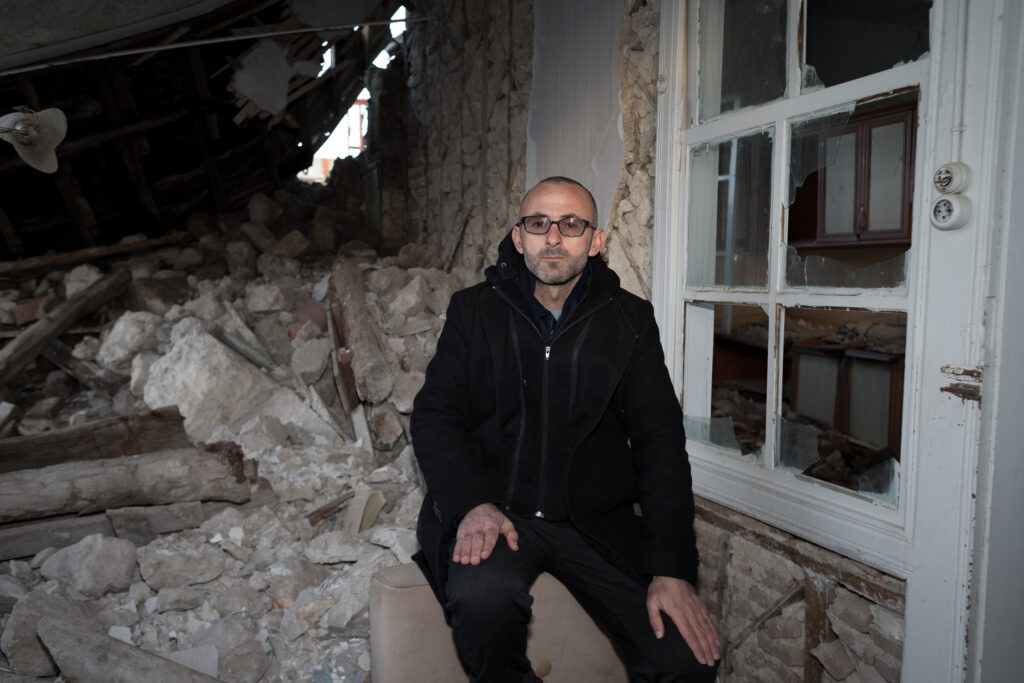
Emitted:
<point x="550" y="221"/>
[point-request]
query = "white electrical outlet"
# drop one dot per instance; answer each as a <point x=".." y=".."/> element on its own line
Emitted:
<point x="951" y="211"/>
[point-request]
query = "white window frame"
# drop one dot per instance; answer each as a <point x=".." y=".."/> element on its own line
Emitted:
<point x="863" y="528"/>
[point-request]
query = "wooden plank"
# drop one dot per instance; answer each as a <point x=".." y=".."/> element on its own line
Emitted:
<point x="88" y="374"/>
<point x="818" y="594"/>
<point x="177" y="475"/>
<point x="48" y="262"/>
<point x="10" y="235"/>
<point x="25" y="539"/>
<point x="21" y="351"/>
<point x="75" y="200"/>
<point x="115" y="437"/>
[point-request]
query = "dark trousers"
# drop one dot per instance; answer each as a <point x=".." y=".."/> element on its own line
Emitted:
<point x="490" y="608"/>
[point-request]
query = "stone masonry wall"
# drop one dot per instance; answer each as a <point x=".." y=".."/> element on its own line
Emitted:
<point x="469" y="76"/>
<point x="632" y="221"/>
<point x="790" y="611"/>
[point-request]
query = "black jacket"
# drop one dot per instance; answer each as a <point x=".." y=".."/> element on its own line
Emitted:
<point x="627" y="484"/>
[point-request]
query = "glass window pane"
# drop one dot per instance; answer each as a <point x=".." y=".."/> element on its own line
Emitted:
<point x="840" y="176"/>
<point x="733" y="416"/>
<point x="842" y="398"/>
<point x="849" y="212"/>
<point x="886" y="185"/>
<point x="729" y="212"/>
<point x="848" y="39"/>
<point x="742" y="54"/>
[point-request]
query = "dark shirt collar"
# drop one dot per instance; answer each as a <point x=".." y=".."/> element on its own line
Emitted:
<point x="545" y="320"/>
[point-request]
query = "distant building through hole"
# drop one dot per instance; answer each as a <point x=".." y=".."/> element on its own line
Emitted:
<point x="348" y="139"/>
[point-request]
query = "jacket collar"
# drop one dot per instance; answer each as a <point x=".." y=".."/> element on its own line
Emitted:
<point x="510" y="274"/>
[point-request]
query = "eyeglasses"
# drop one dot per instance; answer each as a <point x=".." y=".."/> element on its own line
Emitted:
<point x="570" y="226"/>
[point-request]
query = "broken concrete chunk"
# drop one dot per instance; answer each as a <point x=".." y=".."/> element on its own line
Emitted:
<point x="261" y="297"/>
<point x="310" y="359"/>
<point x="333" y="547"/>
<point x="260" y="235"/>
<point x="143" y="523"/>
<point x="210" y="384"/>
<point x="263" y="209"/>
<point x="159" y="294"/>
<point x="87" y="656"/>
<point x="401" y="541"/>
<point x="274" y="267"/>
<point x="406" y="388"/>
<point x="165" y="566"/>
<point x="79" y="278"/>
<point x="292" y="245"/>
<point x="11" y="590"/>
<point x="288" y="577"/>
<point x="241" y="655"/>
<point x="178" y="598"/>
<point x="410" y="299"/>
<point x="305" y="612"/>
<point x="86" y="349"/>
<point x="241" y="259"/>
<point x="140" y="370"/>
<point x="386" y="427"/>
<point x="24" y="652"/>
<point x="94" y="566"/>
<point x="133" y="332"/>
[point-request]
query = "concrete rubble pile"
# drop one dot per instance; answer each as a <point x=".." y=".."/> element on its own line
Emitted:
<point x="308" y="364"/>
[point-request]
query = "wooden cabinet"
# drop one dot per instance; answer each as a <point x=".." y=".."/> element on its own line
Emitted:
<point x="854" y="180"/>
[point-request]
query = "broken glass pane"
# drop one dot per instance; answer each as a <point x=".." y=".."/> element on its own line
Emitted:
<point x="742" y="54"/>
<point x="734" y="417"/>
<point x="842" y="397"/>
<point x="850" y="191"/>
<point x="848" y="39"/>
<point x="730" y="193"/>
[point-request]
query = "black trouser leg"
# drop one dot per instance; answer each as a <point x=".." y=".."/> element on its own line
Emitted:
<point x="490" y="612"/>
<point x="618" y="602"/>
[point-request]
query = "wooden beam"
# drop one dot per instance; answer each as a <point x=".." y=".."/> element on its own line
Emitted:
<point x="177" y="475"/>
<point x="88" y="374"/>
<point x="10" y="235"/>
<point x="75" y="201"/>
<point x="21" y="351"/>
<point x="25" y="539"/>
<point x="115" y="437"/>
<point x="119" y="105"/>
<point x="72" y="147"/>
<point x="48" y="262"/>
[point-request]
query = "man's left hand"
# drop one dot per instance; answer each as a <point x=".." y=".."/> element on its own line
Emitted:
<point x="677" y="598"/>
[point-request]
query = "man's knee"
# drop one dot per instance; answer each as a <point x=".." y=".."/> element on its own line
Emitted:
<point x="481" y="595"/>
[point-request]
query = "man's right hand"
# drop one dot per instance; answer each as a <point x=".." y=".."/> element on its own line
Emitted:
<point x="479" y="531"/>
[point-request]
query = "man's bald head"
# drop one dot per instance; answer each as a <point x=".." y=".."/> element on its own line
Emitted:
<point x="562" y="180"/>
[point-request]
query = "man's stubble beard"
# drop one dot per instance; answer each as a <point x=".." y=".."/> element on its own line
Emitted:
<point x="573" y="267"/>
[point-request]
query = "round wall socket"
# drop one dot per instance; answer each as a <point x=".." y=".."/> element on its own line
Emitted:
<point x="950" y="211"/>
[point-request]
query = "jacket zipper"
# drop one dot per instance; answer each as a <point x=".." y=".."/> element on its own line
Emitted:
<point x="544" y="389"/>
<point x="543" y="433"/>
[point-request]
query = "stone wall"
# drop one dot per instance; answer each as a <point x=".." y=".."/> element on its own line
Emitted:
<point x="631" y="228"/>
<point x="469" y="75"/>
<point x="788" y="610"/>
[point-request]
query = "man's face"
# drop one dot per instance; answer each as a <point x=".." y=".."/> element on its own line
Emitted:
<point x="552" y="258"/>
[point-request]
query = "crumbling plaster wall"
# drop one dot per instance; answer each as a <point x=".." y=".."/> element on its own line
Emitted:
<point x="469" y="95"/>
<point x="787" y="610"/>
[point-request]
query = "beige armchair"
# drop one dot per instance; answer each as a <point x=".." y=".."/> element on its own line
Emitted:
<point x="411" y="643"/>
